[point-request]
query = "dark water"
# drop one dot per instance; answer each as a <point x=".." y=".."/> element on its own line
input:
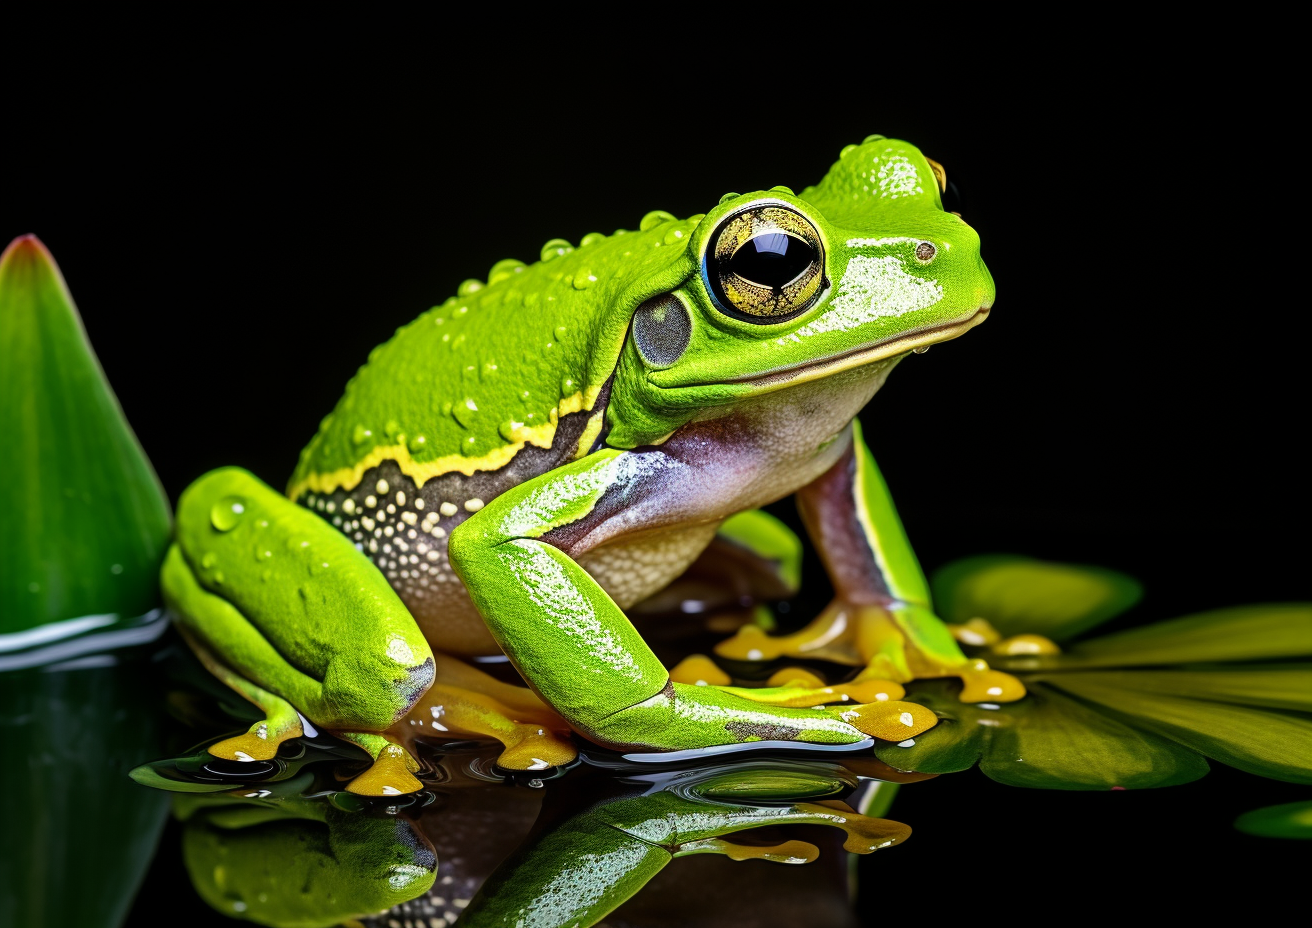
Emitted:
<point x="307" y="845"/>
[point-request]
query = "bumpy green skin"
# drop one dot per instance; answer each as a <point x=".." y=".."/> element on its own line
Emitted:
<point x="472" y="382"/>
<point x="488" y="370"/>
<point x="292" y="605"/>
<point x="440" y="387"/>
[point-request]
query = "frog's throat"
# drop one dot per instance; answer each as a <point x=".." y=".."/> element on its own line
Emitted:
<point x="857" y="357"/>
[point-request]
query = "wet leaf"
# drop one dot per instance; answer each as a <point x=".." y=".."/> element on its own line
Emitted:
<point x="1276" y="687"/>
<point x="1018" y="595"/>
<point x="1239" y="634"/>
<point x="1262" y="741"/>
<point x="1046" y="741"/>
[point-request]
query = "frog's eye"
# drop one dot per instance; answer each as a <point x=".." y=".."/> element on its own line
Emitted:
<point x="765" y="264"/>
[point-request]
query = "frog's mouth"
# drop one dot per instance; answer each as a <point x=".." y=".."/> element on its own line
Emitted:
<point x="858" y="357"/>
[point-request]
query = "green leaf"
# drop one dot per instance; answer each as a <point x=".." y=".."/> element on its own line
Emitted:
<point x="1238" y="634"/>
<point x="1060" y="744"/>
<point x="1287" y="686"/>
<point x="1046" y="741"/>
<point x="86" y="521"/>
<point x="1265" y="742"/>
<point x="1019" y="594"/>
<point x="1290" y="820"/>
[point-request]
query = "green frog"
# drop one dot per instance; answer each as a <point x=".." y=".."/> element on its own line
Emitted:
<point x="524" y="464"/>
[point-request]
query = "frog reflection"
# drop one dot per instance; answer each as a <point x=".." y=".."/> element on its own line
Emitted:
<point x="296" y="852"/>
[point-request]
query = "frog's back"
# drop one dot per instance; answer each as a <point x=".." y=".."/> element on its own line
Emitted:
<point x="499" y="384"/>
<point x="472" y="382"/>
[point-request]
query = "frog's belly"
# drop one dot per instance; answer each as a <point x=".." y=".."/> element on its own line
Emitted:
<point x="634" y="567"/>
<point x="629" y="569"/>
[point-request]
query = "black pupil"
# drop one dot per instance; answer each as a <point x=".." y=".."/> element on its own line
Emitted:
<point x="772" y="260"/>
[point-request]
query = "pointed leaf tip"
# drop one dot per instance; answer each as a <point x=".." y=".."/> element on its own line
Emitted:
<point x="87" y="520"/>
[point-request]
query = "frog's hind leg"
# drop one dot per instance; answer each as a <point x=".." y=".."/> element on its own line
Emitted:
<point x="880" y="619"/>
<point x="464" y="701"/>
<point x="573" y="643"/>
<point x="261" y="741"/>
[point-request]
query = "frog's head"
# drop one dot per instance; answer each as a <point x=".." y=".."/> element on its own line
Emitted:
<point x="863" y="267"/>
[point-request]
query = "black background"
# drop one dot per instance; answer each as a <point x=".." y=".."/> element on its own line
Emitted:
<point x="240" y="227"/>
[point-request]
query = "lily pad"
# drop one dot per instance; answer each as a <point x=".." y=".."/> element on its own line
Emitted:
<point x="1019" y="595"/>
<point x="1133" y="709"/>
<point x="1048" y="740"/>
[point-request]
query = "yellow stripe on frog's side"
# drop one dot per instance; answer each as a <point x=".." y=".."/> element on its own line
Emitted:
<point x="541" y="436"/>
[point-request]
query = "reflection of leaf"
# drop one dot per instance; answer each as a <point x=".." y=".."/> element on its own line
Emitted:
<point x="1018" y="595"/>
<point x="1290" y="820"/>
<point x="1047" y="740"/>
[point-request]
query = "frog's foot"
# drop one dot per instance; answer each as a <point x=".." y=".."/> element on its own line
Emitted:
<point x="261" y="740"/>
<point x="834" y="635"/>
<point x="795" y="687"/>
<point x="393" y="771"/>
<point x="741" y="848"/>
<point x="699" y="670"/>
<point x="801" y="693"/>
<point x="864" y="834"/>
<point x="683" y="716"/>
<point x="980" y="684"/>
<point x="535" y="738"/>
<point x="895" y="643"/>
<point x="980" y="633"/>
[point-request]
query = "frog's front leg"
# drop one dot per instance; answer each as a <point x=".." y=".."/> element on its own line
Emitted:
<point x="576" y="647"/>
<point x="881" y="618"/>
<point x="284" y="609"/>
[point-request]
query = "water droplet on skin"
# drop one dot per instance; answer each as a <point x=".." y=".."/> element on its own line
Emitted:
<point x="555" y="248"/>
<point x="417" y="444"/>
<point x="560" y="332"/>
<point x="116" y="569"/>
<point x="509" y="429"/>
<point x="464" y="411"/>
<point x="392" y="429"/>
<point x="584" y="279"/>
<point x="504" y="270"/>
<point x="727" y="197"/>
<point x="674" y="236"/>
<point x="568" y="387"/>
<point x="591" y="238"/>
<point x="469" y="446"/>
<point x="847" y="150"/>
<point x="209" y="560"/>
<point x="654" y="218"/>
<point x="780" y="188"/>
<point x="227" y="512"/>
<point x="876" y="137"/>
<point x="921" y="350"/>
<point x="467" y="287"/>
